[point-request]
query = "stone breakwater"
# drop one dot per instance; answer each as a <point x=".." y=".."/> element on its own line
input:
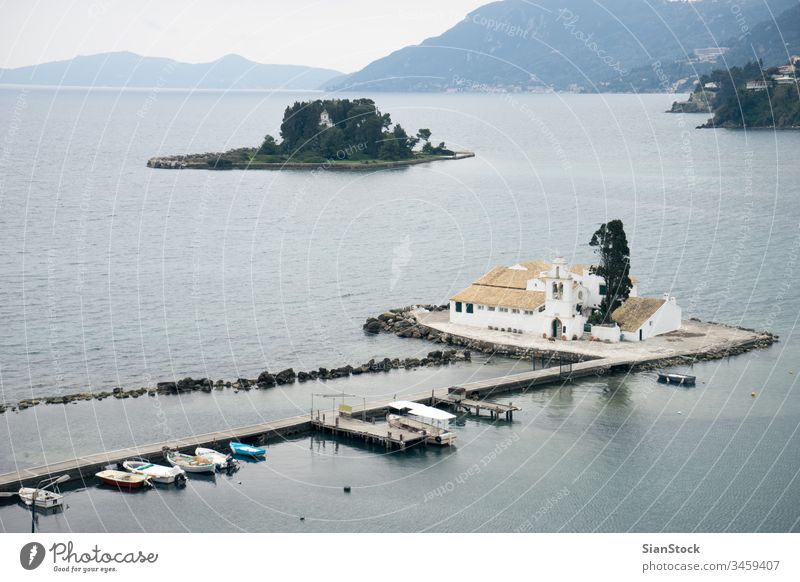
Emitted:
<point x="404" y="323"/>
<point x="264" y="381"/>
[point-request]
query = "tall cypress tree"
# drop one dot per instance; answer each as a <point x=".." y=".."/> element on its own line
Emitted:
<point x="614" y="265"/>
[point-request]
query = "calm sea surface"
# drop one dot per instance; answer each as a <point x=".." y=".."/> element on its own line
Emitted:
<point x="113" y="274"/>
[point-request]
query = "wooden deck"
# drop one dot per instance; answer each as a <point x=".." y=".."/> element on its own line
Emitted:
<point x="370" y="432"/>
<point x="475" y="406"/>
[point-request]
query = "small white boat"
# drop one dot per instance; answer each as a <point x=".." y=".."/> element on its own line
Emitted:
<point x="420" y="418"/>
<point x="122" y="479"/>
<point x="221" y="460"/>
<point x="190" y="463"/>
<point x="156" y="473"/>
<point x="41" y="497"/>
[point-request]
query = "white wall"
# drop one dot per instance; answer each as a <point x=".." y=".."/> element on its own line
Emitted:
<point x="484" y="318"/>
<point x="603" y="333"/>
<point x="666" y="319"/>
<point x="538" y="323"/>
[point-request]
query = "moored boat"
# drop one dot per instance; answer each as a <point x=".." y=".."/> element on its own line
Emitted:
<point x="420" y="418"/>
<point x="156" y="473"/>
<point x="221" y="460"/>
<point x="190" y="463"/>
<point x="122" y="479"/>
<point x="45" y="495"/>
<point x="42" y="498"/>
<point x="247" y="450"/>
<point x="675" y="378"/>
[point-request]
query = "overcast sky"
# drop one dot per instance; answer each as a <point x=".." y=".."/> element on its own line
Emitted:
<point x="338" y="34"/>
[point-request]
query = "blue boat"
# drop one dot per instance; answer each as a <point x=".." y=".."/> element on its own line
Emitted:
<point x="247" y="450"/>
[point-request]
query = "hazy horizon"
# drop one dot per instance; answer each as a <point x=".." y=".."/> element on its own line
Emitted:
<point x="267" y="32"/>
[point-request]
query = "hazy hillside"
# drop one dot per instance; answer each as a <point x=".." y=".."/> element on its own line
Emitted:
<point x="126" y="69"/>
<point x="559" y="43"/>
<point x="772" y="41"/>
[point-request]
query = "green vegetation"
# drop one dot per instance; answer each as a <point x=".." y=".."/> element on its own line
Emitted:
<point x="344" y="129"/>
<point x="735" y="106"/>
<point x="335" y="133"/>
<point x="614" y="265"/>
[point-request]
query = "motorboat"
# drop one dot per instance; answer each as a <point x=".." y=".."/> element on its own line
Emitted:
<point x="221" y="460"/>
<point x="123" y="479"/>
<point x="674" y="378"/>
<point x="42" y="498"/>
<point x="417" y="417"/>
<point x="45" y="495"/>
<point x="156" y="473"/>
<point x="247" y="450"/>
<point x="190" y="463"/>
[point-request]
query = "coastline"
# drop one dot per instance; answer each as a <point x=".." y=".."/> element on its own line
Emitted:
<point x="696" y="341"/>
<point x="202" y="163"/>
<point x="422" y="321"/>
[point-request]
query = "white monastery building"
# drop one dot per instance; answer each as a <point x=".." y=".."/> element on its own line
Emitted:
<point x="325" y="119"/>
<point x="555" y="300"/>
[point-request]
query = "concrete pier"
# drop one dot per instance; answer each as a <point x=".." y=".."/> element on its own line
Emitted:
<point x="695" y="340"/>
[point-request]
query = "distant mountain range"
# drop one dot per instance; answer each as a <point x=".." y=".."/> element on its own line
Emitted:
<point x="517" y="45"/>
<point x="586" y="45"/>
<point x="124" y="69"/>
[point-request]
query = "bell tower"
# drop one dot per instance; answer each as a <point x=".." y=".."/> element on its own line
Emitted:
<point x="559" y="300"/>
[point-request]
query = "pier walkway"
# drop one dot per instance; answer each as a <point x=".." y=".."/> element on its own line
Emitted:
<point x="354" y="422"/>
<point x="337" y="423"/>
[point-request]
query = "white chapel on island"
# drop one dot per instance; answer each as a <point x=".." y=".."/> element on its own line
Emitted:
<point x="555" y="300"/>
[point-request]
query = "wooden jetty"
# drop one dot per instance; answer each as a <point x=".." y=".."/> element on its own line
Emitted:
<point x="84" y="467"/>
<point x="476" y="406"/>
<point x="338" y="423"/>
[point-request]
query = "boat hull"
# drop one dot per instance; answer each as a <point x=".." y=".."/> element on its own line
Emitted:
<point x="122" y="480"/>
<point x="680" y="379"/>
<point x="44" y="499"/>
<point x="222" y="461"/>
<point x="191" y="464"/>
<point x="247" y="450"/>
<point x="436" y="435"/>
<point x="156" y="473"/>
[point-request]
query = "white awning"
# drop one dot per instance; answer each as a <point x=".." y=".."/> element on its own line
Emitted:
<point x="422" y="410"/>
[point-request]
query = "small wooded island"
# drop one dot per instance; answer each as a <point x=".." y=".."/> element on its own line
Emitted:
<point x="341" y="134"/>
<point x="747" y="97"/>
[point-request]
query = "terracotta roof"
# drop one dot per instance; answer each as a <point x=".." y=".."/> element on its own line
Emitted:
<point x="635" y="312"/>
<point x="505" y="277"/>
<point x="535" y="267"/>
<point x="502" y="297"/>
<point x="579" y="269"/>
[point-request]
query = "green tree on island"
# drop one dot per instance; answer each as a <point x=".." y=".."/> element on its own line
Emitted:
<point x="352" y="130"/>
<point x="425" y="135"/>
<point x="611" y="246"/>
<point x="269" y="147"/>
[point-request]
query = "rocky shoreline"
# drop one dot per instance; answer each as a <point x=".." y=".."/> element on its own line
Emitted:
<point x="264" y="381"/>
<point x="698" y="102"/>
<point x="403" y="323"/>
<point x="218" y="161"/>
